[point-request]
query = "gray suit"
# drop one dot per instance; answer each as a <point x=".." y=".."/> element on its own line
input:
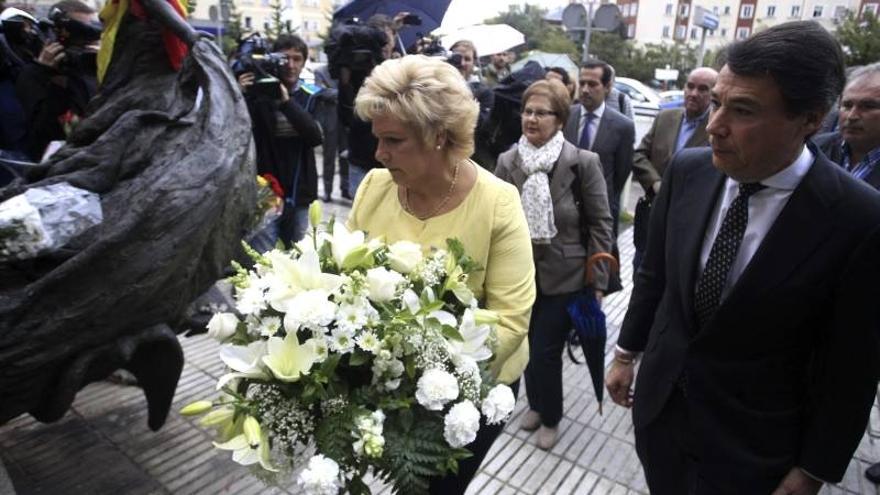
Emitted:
<point x="560" y="265"/>
<point x="658" y="146"/>
<point x="614" y="145"/>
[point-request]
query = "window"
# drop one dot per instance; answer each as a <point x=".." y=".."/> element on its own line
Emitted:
<point x="727" y="10"/>
<point x="724" y="32"/>
<point x="666" y="31"/>
<point x="631" y="31"/>
<point x="668" y="9"/>
<point x="634" y="9"/>
<point x="742" y="33"/>
<point x="771" y="11"/>
<point x="817" y="10"/>
<point x="266" y="25"/>
<point x="683" y="10"/>
<point x="693" y="33"/>
<point x="680" y="32"/>
<point x="870" y="8"/>
<point x="795" y="10"/>
<point x="288" y="26"/>
<point x="715" y="10"/>
<point x="247" y="23"/>
<point x="746" y="11"/>
<point x="840" y="12"/>
<point x="288" y="4"/>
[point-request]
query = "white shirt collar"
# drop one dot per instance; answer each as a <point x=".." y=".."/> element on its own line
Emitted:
<point x="597" y="112"/>
<point x="789" y="177"/>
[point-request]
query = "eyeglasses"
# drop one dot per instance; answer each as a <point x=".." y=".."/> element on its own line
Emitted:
<point x="528" y="113"/>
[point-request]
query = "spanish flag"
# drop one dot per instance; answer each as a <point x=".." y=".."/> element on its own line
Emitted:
<point x="112" y="15"/>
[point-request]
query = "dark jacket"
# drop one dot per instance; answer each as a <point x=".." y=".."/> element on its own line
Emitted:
<point x="830" y="144"/>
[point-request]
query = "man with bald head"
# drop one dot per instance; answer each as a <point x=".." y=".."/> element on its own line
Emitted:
<point x="673" y="130"/>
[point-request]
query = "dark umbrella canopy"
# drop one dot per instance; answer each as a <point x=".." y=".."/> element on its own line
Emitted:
<point x="430" y="11"/>
<point x="590" y="328"/>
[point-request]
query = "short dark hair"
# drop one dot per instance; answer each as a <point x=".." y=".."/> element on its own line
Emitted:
<point x="566" y="79"/>
<point x="607" y="72"/>
<point x="288" y="41"/>
<point x="74" y="7"/>
<point x="804" y="60"/>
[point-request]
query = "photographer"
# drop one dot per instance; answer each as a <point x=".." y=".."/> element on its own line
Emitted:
<point x="464" y="54"/>
<point x="55" y="89"/>
<point x="284" y="127"/>
<point x="20" y="44"/>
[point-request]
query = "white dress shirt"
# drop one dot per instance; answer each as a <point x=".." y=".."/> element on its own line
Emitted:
<point x="764" y="208"/>
<point x="594" y="124"/>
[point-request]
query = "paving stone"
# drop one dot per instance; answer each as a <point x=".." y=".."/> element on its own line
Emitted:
<point x="587" y="484"/>
<point x="572" y="481"/>
<point x="556" y="478"/>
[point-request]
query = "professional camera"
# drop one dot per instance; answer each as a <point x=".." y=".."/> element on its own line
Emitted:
<point x="432" y="47"/>
<point x="356" y="46"/>
<point x="18" y="44"/>
<point x="267" y="67"/>
<point x="75" y="36"/>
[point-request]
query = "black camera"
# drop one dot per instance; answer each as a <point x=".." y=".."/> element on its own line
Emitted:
<point x="19" y="44"/>
<point x="75" y="36"/>
<point x="356" y="46"/>
<point x="267" y="67"/>
<point x="432" y="47"/>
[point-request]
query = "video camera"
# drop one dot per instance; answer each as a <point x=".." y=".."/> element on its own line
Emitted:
<point x="432" y="47"/>
<point x="356" y="46"/>
<point x="75" y="36"/>
<point x="267" y="67"/>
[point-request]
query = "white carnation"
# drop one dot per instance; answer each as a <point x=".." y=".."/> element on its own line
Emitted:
<point x="461" y="424"/>
<point x="222" y="326"/>
<point x="369" y="342"/>
<point x="321" y="477"/>
<point x="250" y="300"/>
<point x="404" y="256"/>
<point x="310" y="309"/>
<point x="498" y="404"/>
<point x="435" y="388"/>
<point x="383" y="284"/>
<point x="342" y="340"/>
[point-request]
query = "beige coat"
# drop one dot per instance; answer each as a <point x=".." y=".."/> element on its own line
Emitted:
<point x="560" y="265"/>
<point x="658" y="145"/>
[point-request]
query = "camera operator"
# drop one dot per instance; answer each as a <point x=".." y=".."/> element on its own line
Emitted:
<point x="284" y="126"/>
<point x="464" y="54"/>
<point x="372" y="49"/>
<point x="55" y="89"/>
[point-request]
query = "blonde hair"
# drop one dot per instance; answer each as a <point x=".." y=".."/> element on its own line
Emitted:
<point x="427" y="94"/>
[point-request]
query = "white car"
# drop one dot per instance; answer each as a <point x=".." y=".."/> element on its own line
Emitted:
<point x="646" y="101"/>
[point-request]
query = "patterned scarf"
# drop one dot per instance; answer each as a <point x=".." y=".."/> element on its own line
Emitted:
<point x="536" y="163"/>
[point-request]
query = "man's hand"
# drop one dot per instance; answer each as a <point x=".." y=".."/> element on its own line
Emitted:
<point x="797" y="482"/>
<point x="246" y="80"/>
<point x="51" y="55"/>
<point x="398" y="20"/>
<point x="619" y="383"/>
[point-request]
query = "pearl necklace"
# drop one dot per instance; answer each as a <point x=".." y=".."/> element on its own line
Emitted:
<point x="439" y="205"/>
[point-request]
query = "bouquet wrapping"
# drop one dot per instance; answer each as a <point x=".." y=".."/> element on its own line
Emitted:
<point x="372" y="357"/>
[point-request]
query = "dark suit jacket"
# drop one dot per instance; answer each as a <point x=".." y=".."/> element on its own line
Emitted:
<point x="614" y="145"/>
<point x="559" y="266"/>
<point x="658" y="145"/>
<point x="830" y="144"/>
<point x="785" y="372"/>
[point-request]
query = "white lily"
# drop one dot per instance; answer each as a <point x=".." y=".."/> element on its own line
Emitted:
<point x="290" y="277"/>
<point x="247" y="449"/>
<point x="343" y="242"/>
<point x="411" y="301"/>
<point x="245" y="361"/>
<point x="444" y="317"/>
<point x="288" y="360"/>
<point x="474" y="335"/>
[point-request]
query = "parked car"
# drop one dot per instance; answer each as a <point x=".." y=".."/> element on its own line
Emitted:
<point x="674" y="98"/>
<point x="646" y="101"/>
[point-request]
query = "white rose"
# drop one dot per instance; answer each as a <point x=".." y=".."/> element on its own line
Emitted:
<point x="404" y="256"/>
<point x="435" y="388"/>
<point x="321" y="477"/>
<point x="222" y="326"/>
<point x="382" y="284"/>
<point x="461" y="424"/>
<point x="498" y="404"/>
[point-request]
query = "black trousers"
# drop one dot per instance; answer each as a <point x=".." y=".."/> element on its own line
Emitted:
<point x="457" y="484"/>
<point x="548" y="330"/>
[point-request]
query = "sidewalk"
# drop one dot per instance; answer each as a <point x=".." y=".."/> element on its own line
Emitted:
<point x="103" y="444"/>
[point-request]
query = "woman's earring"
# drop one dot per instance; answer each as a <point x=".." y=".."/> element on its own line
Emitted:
<point x="438" y="147"/>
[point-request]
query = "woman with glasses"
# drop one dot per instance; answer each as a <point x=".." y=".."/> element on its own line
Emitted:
<point x="563" y="194"/>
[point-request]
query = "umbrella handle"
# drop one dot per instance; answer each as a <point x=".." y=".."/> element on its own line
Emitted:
<point x="591" y="263"/>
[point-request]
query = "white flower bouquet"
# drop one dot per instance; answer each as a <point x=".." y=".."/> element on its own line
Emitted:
<point x="374" y="356"/>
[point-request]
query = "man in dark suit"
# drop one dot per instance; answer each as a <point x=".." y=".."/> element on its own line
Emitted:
<point x="856" y="145"/>
<point x="673" y="130"/>
<point x="754" y="312"/>
<point x="595" y="127"/>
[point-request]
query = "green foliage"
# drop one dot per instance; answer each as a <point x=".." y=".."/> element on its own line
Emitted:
<point x="860" y="38"/>
<point x="333" y="437"/>
<point x="277" y="25"/>
<point x="232" y="27"/>
<point x="540" y="35"/>
<point x="630" y="60"/>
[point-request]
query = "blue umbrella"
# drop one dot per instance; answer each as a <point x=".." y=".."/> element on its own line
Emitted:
<point x="430" y="11"/>
<point x="590" y="329"/>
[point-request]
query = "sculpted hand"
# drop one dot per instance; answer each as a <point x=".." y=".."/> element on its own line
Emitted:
<point x="797" y="482"/>
<point x="619" y="383"/>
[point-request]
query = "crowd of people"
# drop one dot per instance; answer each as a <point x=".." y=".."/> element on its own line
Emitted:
<point x="751" y="315"/>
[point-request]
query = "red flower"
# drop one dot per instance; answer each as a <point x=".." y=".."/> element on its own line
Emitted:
<point x="274" y="184"/>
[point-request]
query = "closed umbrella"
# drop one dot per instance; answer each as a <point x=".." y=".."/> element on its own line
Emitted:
<point x="590" y="330"/>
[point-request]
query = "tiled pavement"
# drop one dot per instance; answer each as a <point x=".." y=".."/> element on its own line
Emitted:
<point x="104" y="446"/>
